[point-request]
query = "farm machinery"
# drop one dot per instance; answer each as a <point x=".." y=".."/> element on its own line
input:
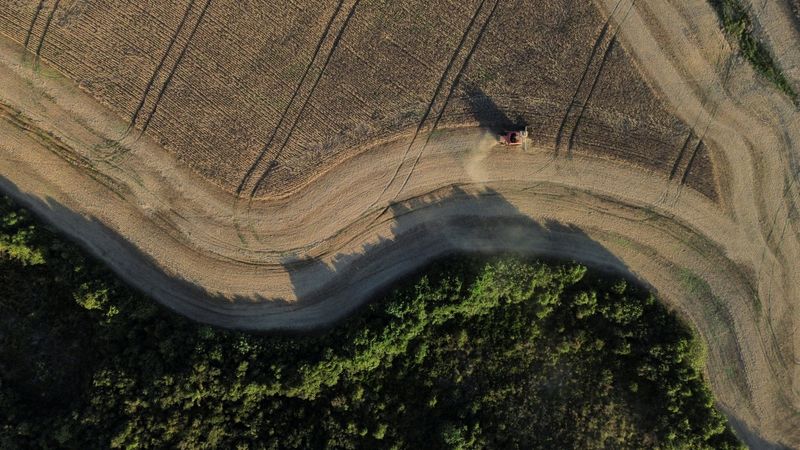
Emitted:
<point x="515" y="138"/>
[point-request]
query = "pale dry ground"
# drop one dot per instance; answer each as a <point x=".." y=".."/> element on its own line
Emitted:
<point x="310" y="258"/>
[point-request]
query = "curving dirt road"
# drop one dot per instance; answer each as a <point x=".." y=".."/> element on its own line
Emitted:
<point x="309" y="258"/>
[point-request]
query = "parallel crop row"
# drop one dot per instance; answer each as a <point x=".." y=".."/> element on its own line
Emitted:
<point x="258" y="96"/>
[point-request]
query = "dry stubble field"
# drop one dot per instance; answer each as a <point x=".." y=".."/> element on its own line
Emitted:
<point x="260" y="97"/>
<point x="270" y="166"/>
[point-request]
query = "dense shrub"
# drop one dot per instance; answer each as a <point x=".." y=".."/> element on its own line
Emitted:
<point x="498" y="353"/>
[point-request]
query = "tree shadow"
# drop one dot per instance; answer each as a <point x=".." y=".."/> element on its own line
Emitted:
<point x="747" y="435"/>
<point x="447" y="222"/>
<point x="139" y="270"/>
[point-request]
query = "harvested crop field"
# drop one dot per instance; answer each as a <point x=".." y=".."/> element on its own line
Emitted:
<point x="259" y="97"/>
<point x="271" y="166"/>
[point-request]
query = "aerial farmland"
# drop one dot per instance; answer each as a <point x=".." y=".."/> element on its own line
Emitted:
<point x="272" y="166"/>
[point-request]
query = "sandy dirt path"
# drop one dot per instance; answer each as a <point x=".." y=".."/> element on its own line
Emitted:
<point x="310" y="258"/>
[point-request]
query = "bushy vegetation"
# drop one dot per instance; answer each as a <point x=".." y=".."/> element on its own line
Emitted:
<point x="737" y="23"/>
<point x="498" y="353"/>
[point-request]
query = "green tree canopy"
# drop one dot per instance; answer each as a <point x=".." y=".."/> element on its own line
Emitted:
<point x="474" y="353"/>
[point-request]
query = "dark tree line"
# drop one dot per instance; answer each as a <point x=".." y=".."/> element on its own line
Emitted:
<point x="475" y="353"/>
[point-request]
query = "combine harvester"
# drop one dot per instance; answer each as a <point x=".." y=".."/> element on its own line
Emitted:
<point x="515" y="138"/>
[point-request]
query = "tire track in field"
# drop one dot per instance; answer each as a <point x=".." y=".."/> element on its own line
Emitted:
<point x="160" y="65"/>
<point x="602" y="39"/>
<point x="296" y="92"/>
<point x="453" y="87"/>
<point x="178" y="60"/>
<point x="603" y="61"/>
<point x="46" y="28"/>
<point x="595" y="47"/>
<point x="33" y="23"/>
<point x="682" y="151"/>
<point x="691" y="161"/>
<point x="611" y="43"/>
<point x="692" y="156"/>
<point x="694" y="133"/>
<point x="791" y="213"/>
<point x="334" y="46"/>
<point x="712" y="114"/>
<point x="679" y="166"/>
<point x="431" y="104"/>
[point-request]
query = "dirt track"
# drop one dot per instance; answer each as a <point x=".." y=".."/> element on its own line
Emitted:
<point x="313" y="256"/>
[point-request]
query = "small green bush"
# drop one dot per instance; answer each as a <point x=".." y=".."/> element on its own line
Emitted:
<point x="737" y="23"/>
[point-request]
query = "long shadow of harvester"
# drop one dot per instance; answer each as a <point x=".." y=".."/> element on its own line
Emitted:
<point x="488" y="113"/>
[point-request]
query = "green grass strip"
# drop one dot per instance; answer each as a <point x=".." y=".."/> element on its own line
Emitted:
<point x="736" y="22"/>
